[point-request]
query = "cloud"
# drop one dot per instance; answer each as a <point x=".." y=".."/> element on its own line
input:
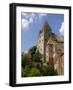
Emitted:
<point x="41" y="15"/>
<point x="61" y="30"/>
<point x="32" y="15"/>
<point x="25" y="15"/>
<point x="29" y="18"/>
<point x="25" y="23"/>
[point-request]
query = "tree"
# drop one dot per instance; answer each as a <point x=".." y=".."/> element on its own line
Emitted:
<point x="34" y="72"/>
<point x="25" y="71"/>
<point x="33" y="50"/>
<point x="48" y="70"/>
<point x="25" y="60"/>
<point x="29" y="72"/>
<point x="37" y="57"/>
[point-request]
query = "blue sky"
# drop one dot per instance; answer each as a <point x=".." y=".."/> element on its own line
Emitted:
<point x="33" y="22"/>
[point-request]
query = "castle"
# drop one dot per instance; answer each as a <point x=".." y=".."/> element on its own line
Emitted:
<point x="51" y="46"/>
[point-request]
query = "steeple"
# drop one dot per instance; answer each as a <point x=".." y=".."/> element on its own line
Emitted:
<point x="47" y="26"/>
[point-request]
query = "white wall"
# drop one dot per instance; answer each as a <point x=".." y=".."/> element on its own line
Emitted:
<point x="4" y="45"/>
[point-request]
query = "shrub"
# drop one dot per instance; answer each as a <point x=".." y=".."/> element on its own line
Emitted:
<point x="25" y="60"/>
<point x="34" y="72"/>
<point x="37" y="57"/>
<point x="25" y="71"/>
<point x="48" y="70"/>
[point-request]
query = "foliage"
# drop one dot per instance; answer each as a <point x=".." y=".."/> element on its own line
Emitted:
<point x="43" y="70"/>
<point x="33" y="50"/>
<point x="25" y="60"/>
<point x="37" y="57"/>
<point x="34" y="72"/>
<point x="28" y="72"/>
<point x="35" y="67"/>
<point x="25" y="71"/>
<point x="48" y="70"/>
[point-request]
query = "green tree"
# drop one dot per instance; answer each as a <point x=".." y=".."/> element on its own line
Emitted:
<point x="25" y="60"/>
<point x="25" y="71"/>
<point x="33" y="50"/>
<point x="48" y="70"/>
<point x="37" y="57"/>
<point x="34" y="72"/>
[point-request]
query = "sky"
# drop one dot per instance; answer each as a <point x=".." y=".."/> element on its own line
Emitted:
<point x="32" y="23"/>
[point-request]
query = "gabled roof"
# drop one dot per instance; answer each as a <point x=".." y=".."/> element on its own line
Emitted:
<point x="54" y="38"/>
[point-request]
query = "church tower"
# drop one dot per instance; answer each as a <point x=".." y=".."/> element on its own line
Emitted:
<point x="44" y="34"/>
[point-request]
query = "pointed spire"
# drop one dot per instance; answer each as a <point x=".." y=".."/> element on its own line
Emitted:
<point x="47" y="26"/>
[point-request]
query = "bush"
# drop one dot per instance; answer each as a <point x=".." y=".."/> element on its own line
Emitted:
<point x="33" y="50"/>
<point x="48" y="70"/>
<point x="34" y="72"/>
<point x="37" y="57"/>
<point x="25" y="60"/>
<point x="29" y="72"/>
<point x="43" y="70"/>
<point x="25" y="71"/>
<point x="35" y="68"/>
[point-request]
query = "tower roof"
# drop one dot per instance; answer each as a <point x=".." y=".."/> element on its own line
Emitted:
<point x="46" y="26"/>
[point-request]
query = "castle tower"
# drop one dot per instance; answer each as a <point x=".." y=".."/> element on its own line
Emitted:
<point x="44" y="34"/>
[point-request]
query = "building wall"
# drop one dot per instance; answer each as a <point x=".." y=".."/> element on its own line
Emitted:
<point x="48" y="47"/>
<point x="55" y="55"/>
<point x="59" y="64"/>
<point x="42" y="39"/>
<point x="47" y="53"/>
<point x="40" y="45"/>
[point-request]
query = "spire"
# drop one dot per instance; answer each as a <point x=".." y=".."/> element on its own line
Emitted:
<point x="47" y="26"/>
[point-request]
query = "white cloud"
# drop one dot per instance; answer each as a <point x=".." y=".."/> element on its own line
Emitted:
<point x="25" y="23"/>
<point x="29" y="18"/>
<point x="62" y="29"/>
<point x="25" y="15"/>
<point x="41" y="15"/>
<point x="32" y="15"/>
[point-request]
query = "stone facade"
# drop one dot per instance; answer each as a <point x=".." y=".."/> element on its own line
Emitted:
<point x="56" y="51"/>
<point x="52" y="48"/>
<point x="42" y="39"/>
